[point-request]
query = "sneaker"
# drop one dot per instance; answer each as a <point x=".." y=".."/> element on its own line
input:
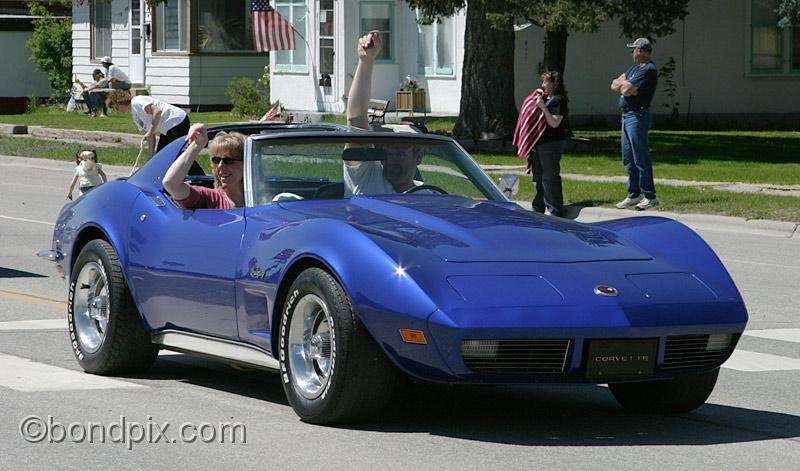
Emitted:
<point x="646" y="204"/>
<point x="547" y="212"/>
<point x="629" y="202"/>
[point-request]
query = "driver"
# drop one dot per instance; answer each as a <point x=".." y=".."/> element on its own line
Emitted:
<point x="396" y="173"/>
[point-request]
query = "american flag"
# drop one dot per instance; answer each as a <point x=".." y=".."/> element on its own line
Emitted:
<point x="530" y="124"/>
<point x="270" y="31"/>
<point x="273" y="112"/>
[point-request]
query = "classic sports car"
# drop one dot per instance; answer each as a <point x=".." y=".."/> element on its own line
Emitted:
<point x="343" y="289"/>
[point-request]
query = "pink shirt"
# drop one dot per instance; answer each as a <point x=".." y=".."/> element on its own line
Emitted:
<point x="205" y="198"/>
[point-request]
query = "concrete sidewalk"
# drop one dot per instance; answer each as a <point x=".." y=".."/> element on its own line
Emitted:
<point x="764" y="189"/>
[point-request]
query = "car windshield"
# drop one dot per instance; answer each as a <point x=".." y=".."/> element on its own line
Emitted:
<point x="288" y="169"/>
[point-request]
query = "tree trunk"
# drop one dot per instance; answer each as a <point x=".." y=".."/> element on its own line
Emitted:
<point x="487" y="83"/>
<point x="555" y="59"/>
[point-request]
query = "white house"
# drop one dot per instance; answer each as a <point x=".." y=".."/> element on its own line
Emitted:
<point x="739" y="66"/>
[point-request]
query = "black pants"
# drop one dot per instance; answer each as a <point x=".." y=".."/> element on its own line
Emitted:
<point x="179" y="131"/>
<point x="546" y="170"/>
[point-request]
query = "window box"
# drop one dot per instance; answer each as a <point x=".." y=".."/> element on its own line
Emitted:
<point x="410" y="101"/>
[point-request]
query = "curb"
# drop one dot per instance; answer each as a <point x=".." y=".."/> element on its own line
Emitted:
<point x="108" y="137"/>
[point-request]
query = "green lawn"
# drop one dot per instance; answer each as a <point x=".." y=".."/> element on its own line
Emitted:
<point x="725" y="156"/>
<point x="679" y="199"/>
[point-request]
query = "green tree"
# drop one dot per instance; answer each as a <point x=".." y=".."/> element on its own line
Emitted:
<point x="789" y="11"/>
<point x="487" y="97"/>
<point x="51" y="44"/>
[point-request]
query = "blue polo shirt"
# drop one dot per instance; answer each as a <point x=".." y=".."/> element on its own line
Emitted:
<point x="645" y="79"/>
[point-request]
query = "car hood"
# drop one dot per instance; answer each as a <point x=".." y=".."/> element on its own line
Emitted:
<point x="458" y="229"/>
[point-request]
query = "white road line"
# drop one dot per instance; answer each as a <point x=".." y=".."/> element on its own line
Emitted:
<point x="27" y="220"/>
<point x="787" y="335"/>
<point x="25" y="375"/>
<point x="35" y="324"/>
<point x="742" y="360"/>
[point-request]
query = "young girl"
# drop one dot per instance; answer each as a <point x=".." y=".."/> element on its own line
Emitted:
<point x="88" y="172"/>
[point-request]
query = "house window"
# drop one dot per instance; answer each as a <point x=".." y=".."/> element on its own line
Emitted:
<point x="224" y="26"/>
<point x="294" y="60"/>
<point x="773" y="50"/>
<point x="436" y="47"/>
<point x="172" y="25"/>
<point x="378" y="16"/>
<point x="101" y="29"/>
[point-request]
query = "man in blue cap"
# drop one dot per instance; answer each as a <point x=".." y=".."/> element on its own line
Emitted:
<point x="636" y="88"/>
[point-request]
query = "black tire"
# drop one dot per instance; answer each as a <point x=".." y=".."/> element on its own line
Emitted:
<point x="681" y="394"/>
<point x="106" y="331"/>
<point x="332" y="370"/>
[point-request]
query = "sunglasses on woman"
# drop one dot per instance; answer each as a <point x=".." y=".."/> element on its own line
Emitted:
<point x="224" y="160"/>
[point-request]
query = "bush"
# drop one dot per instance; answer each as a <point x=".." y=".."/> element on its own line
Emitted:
<point x="51" y="45"/>
<point x="249" y="99"/>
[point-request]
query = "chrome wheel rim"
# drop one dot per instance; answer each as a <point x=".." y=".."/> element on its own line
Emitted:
<point x="90" y="306"/>
<point x="310" y="349"/>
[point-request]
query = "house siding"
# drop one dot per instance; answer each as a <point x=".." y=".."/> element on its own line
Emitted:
<point x="711" y="67"/>
<point x="711" y="73"/>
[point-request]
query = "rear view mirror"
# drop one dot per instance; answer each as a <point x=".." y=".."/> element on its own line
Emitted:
<point x="509" y="185"/>
<point x="363" y="154"/>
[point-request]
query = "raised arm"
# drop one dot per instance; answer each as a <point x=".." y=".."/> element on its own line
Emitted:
<point x="358" y="102"/>
<point x="176" y="173"/>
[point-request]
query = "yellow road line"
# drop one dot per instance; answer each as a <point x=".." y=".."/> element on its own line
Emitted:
<point x="32" y="298"/>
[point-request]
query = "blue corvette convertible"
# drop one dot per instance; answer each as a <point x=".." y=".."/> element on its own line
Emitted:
<point x="343" y="287"/>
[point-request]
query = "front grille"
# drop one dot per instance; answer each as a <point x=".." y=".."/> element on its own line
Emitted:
<point x="698" y="351"/>
<point x="516" y="356"/>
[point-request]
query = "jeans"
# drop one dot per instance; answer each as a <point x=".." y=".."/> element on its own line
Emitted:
<point x="636" y="153"/>
<point x="95" y="101"/>
<point x="546" y="170"/>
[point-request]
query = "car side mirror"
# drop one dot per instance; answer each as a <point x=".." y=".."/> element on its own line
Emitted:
<point x="509" y="185"/>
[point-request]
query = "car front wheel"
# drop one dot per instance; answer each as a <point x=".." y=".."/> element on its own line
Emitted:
<point x="331" y="368"/>
<point x="681" y="394"/>
<point x="106" y="331"/>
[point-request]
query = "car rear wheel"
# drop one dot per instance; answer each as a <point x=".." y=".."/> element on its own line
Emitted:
<point x="331" y="368"/>
<point x="681" y="394"/>
<point x="105" y="328"/>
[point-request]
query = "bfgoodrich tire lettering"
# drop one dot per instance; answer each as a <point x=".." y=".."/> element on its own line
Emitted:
<point x="331" y="368"/>
<point x="681" y="394"/>
<point x="106" y="331"/>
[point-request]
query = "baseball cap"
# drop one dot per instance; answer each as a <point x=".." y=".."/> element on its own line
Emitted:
<point x="107" y="59"/>
<point x="643" y="44"/>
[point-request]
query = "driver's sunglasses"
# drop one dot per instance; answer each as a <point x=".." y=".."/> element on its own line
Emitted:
<point x="224" y="160"/>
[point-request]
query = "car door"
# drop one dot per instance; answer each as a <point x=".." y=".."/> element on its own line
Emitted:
<point x="182" y="265"/>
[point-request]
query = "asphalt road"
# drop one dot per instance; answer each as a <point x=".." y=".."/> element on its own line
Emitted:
<point x="177" y="414"/>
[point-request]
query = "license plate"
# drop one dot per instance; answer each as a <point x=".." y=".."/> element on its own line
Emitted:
<point x="621" y="358"/>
